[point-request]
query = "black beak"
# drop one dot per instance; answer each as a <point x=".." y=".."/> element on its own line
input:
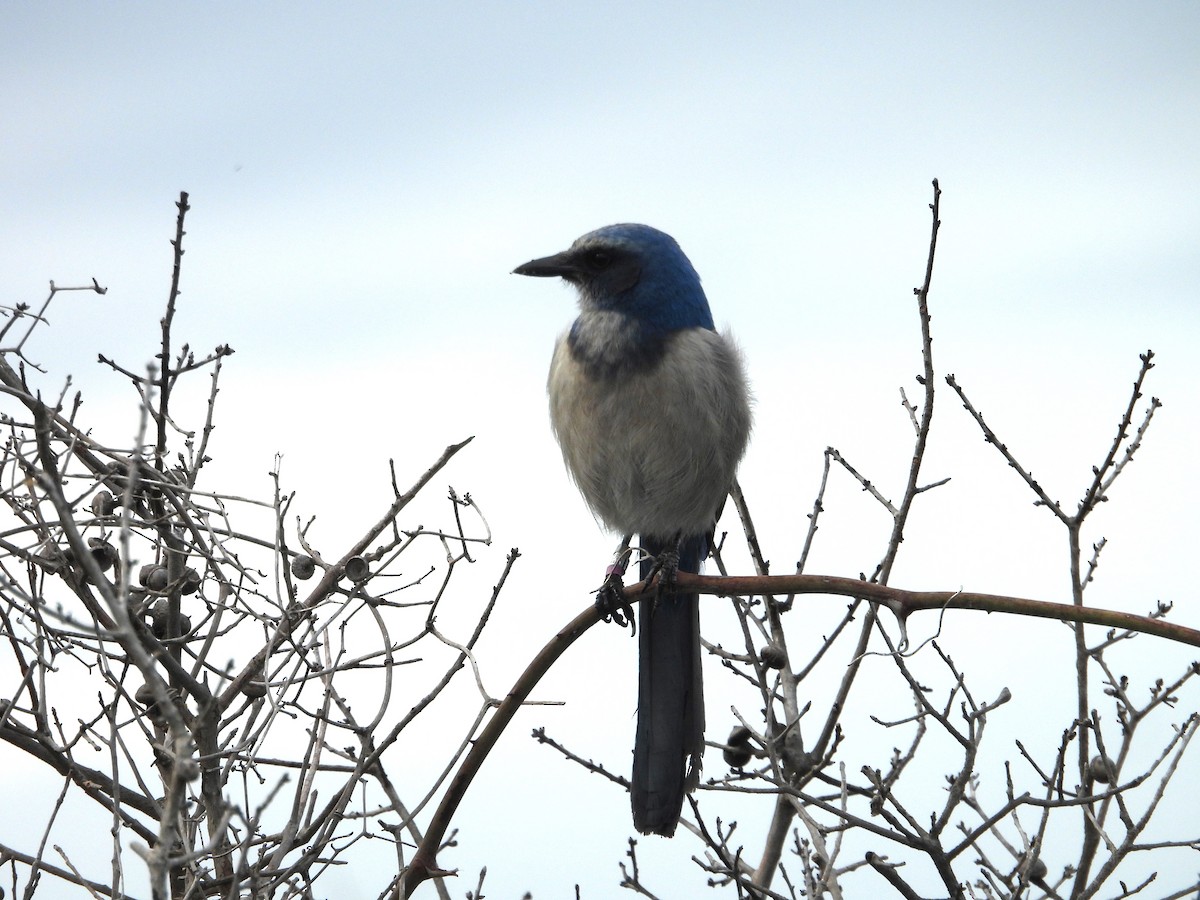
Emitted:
<point x="560" y="264"/>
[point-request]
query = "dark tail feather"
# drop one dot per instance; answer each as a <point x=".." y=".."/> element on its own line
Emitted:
<point x="670" y="727"/>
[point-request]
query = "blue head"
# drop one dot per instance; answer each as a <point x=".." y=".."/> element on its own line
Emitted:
<point x="633" y="270"/>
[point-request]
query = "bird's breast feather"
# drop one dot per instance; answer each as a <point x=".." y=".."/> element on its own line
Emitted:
<point x="654" y="450"/>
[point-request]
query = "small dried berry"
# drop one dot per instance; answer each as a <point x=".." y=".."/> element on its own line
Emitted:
<point x="158" y="618"/>
<point x="737" y="749"/>
<point x="160" y="614"/>
<point x="104" y="553"/>
<point x="145" y="697"/>
<point x="103" y="503"/>
<point x="1101" y="769"/>
<point x="303" y="567"/>
<point x="356" y="568"/>
<point x="191" y="581"/>
<point x="772" y="656"/>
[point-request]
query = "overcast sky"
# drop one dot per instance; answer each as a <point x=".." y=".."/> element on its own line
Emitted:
<point x="364" y="177"/>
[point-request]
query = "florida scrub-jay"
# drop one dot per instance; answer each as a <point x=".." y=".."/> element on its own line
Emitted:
<point x="650" y="406"/>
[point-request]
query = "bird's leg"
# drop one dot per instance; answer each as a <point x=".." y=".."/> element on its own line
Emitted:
<point x="610" y="599"/>
<point x="666" y="567"/>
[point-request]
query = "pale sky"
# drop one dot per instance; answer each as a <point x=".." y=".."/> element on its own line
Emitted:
<point x="363" y="178"/>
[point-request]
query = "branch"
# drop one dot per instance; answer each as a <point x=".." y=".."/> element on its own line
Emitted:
<point x="424" y="863"/>
<point x="904" y="602"/>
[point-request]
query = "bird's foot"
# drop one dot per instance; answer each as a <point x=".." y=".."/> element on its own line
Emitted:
<point x="611" y="601"/>
<point x="666" y="567"/>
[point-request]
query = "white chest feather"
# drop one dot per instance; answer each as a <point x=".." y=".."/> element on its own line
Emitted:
<point x="654" y="451"/>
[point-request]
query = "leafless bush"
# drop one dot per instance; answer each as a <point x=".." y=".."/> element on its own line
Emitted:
<point x="204" y="681"/>
<point x="204" y="663"/>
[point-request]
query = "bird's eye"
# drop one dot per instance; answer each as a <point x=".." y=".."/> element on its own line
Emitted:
<point x="598" y="259"/>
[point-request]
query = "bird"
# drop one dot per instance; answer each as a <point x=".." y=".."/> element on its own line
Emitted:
<point x="650" y="405"/>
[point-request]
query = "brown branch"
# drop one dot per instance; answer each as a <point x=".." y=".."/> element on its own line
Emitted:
<point x="1100" y="484"/>
<point x="10" y="854"/>
<point x="904" y="602"/>
<point x="424" y="862"/>
<point x="96" y="784"/>
<point x="164" y="370"/>
<point x="926" y="380"/>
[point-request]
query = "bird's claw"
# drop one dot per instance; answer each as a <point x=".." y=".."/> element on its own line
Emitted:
<point x="611" y="601"/>
<point x="666" y="567"/>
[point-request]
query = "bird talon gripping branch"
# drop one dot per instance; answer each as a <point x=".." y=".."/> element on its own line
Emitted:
<point x="666" y="568"/>
<point x="612" y="603"/>
<point x="650" y="406"/>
